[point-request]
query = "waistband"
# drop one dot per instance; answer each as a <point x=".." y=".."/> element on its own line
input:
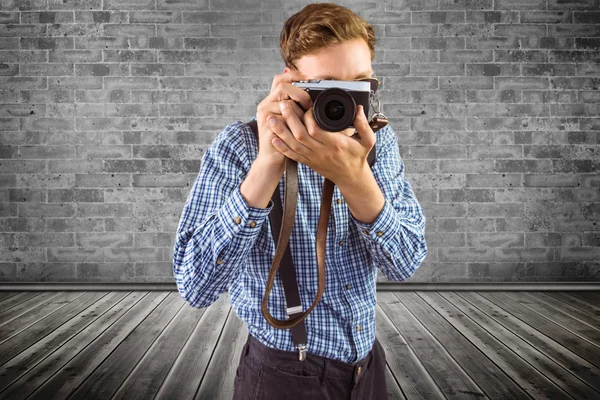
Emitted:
<point x="257" y="352"/>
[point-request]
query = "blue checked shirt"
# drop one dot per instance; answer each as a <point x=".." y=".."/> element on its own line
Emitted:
<point x="223" y="244"/>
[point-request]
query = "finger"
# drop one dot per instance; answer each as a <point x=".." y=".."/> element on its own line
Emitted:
<point x="265" y="127"/>
<point x="270" y="115"/>
<point x="281" y="129"/>
<point x="273" y="107"/>
<point x="286" y="90"/>
<point x="299" y="111"/>
<point x="281" y="147"/>
<point x="290" y="76"/>
<point x="276" y="142"/>
<point x="313" y="129"/>
<point x="295" y="123"/>
<point x="365" y="133"/>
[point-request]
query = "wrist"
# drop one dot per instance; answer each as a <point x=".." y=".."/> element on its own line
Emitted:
<point x="267" y="164"/>
<point x="355" y="179"/>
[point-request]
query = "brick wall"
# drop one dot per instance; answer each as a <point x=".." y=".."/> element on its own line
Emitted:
<point x="106" y="108"/>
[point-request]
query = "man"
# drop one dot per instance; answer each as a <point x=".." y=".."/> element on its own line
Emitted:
<point x="224" y="239"/>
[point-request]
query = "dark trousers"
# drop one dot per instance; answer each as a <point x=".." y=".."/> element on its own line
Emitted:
<point x="265" y="373"/>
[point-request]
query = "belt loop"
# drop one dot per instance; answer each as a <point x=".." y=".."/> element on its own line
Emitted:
<point x="325" y="370"/>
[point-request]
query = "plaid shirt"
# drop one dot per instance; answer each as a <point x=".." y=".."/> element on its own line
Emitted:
<point x="223" y="244"/>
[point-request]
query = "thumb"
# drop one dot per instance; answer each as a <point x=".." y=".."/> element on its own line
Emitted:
<point x="365" y="133"/>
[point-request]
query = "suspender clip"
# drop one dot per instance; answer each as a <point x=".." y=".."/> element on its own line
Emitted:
<point x="302" y="351"/>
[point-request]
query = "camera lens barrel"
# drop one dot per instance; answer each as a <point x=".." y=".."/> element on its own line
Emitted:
<point x="334" y="109"/>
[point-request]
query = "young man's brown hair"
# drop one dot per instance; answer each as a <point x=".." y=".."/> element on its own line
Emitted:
<point x="320" y="25"/>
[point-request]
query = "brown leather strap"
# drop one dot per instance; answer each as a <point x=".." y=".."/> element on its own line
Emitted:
<point x="286" y="270"/>
<point x="289" y="213"/>
<point x="377" y="123"/>
<point x="288" y="275"/>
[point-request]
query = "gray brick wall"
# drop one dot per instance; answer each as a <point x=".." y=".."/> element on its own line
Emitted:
<point x="107" y="106"/>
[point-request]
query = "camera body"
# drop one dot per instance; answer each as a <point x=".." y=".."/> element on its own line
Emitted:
<point x="335" y="102"/>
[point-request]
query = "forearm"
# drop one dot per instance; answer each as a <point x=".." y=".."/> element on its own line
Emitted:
<point x="260" y="183"/>
<point x="364" y="196"/>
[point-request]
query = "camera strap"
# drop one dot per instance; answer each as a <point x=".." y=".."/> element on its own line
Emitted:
<point x="282" y="220"/>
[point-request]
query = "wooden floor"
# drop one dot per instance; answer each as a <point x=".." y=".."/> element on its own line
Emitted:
<point x="119" y="344"/>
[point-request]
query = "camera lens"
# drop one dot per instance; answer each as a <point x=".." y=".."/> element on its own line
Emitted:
<point x="334" y="109"/>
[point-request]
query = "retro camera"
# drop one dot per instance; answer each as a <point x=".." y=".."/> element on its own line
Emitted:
<point x="335" y="102"/>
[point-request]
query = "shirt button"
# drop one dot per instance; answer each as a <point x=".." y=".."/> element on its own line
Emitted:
<point x="357" y="328"/>
<point x="358" y="370"/>
<point x="379" y="233"/>
<point x="252" y="224"/>
<point x="237" y="220"/>
<point x="339" y="201"/>
<point x="347" y="286"/>
<point x="341" y="242"/>
<point x="220" y="261"/>
<point x="366" y="231"/>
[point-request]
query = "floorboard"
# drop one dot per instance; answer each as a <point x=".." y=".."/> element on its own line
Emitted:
<point x="438" y="345"/>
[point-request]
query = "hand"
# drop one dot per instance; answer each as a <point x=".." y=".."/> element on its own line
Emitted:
<point x="268" y="108"/>
<point x="339" y="157"/>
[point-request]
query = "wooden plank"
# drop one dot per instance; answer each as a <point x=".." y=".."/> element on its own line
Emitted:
<point x="240" y="341"/>
<point x="109" y="286"/>
<point x="183" y="380"/>
<point x="584" y="331"/>
<point x="394" y="391"/>
<point x="566" y="308"/>
<point x="490" y="379"/>
<point x="38" y="351"/>
<point x="147" y="377"/>
<point x="32" y="316"/>
<point x="26" y="306"/>
<point x="128" y="335"/>
<point x="450" y="378"/>
<point x="105" y="380"/>
<point x="406" y="372"/>
<point x="592" y="298"/>
<point x="62" y="353"/>
<point x="387" y="285"/>
<point x="39" y="330"/>
<point x="567" y="297"/>
<point x="217" y="382"/>
<point x="557" y="344"/>
<point x="135" y="305"/>
<point x="546" y="380"/>
<point x="13" y="301"/>
<point x="6" y="295"/>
